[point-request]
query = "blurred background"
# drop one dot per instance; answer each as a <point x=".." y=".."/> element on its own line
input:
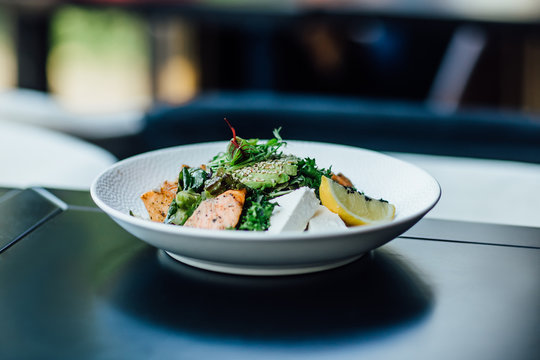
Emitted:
<point x="452" y="86"/>
<point x="97" y="69"/>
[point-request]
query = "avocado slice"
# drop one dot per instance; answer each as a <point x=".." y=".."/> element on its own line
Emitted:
<point x="267" y="174"/>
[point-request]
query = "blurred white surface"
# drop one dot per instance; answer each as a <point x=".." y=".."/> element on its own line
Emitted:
<point x="491" y="191"/>
<point x="42" y="109"/>
<point x="33" y="156"/>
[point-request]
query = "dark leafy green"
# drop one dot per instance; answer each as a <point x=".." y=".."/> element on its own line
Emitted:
<point x="192" y="179"/>
<point x="182" y="206"/>
<point x="220" y="182"/>
<point x="190" y="185"/>
<point x="257" y="212"/>
<point x="171" y="218"/>
<point x="308" y="174"/>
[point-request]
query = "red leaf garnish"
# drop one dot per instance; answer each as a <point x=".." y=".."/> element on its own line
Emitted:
<point x="233" y="141"/>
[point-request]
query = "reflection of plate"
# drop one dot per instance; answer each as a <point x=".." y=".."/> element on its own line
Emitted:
<point x="117" y="192"/>
<point x="378" y="295"/>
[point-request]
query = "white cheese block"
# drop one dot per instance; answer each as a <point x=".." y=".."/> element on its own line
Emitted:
<point x="293" y="210"/>
<point x="325" y="220"/>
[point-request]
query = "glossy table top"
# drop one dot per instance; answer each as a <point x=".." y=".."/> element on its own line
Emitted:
<point x="73" y="284"/>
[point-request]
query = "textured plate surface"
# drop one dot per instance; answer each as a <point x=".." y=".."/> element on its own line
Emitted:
<point x="117" y="191"/>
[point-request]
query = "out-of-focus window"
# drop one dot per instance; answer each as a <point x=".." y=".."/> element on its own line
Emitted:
<point x="8" y="62"/>
<point x="177" y="73"/>
<point x="531" y="75"/>
<point x="99" y="60"/>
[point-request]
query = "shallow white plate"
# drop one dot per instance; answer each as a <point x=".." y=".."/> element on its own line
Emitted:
<point x="117" y="191"/>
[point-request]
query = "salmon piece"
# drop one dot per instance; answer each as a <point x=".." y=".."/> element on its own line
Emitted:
<point x="157" y="202"/>
<point x="342" y="180"/>
<point x="219" y="213"/>
<point x="170" y="187"/>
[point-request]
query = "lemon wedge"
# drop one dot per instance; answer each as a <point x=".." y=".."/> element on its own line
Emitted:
<point x="353" y="207"/>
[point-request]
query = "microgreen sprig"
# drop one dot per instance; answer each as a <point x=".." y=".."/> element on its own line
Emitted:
<point x="243" y="152"/>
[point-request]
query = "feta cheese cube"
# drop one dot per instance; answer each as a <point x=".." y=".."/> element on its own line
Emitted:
<point x="325" y="220"/>
<point x="293" y="210"/>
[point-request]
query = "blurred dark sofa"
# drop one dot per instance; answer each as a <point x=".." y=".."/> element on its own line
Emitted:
<point x="373" y="124"/>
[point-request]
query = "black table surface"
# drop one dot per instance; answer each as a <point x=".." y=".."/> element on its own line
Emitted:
<point x="74" y="285"/>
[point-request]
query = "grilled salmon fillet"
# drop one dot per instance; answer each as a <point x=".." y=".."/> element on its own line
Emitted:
<point x="157" y="202"/>
<point x="219" y="213"/>
<point x="342" y="180"/>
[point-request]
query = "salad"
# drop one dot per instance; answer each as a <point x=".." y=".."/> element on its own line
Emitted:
<point x="254" y="186"/>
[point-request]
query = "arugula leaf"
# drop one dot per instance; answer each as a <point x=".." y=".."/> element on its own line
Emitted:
<point x="257" y="212"/>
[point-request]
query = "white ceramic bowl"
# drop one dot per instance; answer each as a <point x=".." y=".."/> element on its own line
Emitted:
<point x="117" y="191"/>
